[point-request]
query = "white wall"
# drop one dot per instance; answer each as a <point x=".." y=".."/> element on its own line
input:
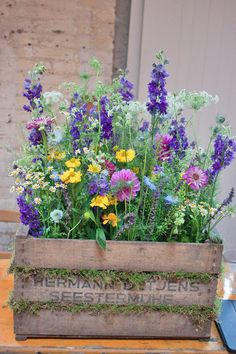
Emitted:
<point x="199" y="38"/>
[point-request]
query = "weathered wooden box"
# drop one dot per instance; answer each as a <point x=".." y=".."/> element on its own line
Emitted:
<point x="51" y="280"/>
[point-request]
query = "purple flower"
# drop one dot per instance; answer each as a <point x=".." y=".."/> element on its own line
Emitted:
<point x="145" y="126"/>
<point x="179" y="142"/>
<point x="125" y="89"/>
<point x="223" y="155"/>
<point x="195" y="177"/>
<point x="156" y="90"/>
<point x="77" y="114"/>
<point x="98" y="185"/>
<point x="106" y="119"/>
<point x="33" y="91"/>
<point x="29" y="216"/>
<point x="35" y="137"/>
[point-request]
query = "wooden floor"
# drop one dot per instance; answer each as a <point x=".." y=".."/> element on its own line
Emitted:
<point x="93" y="346"/>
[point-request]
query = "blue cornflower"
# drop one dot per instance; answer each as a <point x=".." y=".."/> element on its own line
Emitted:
<point x="170" y="200"/>
<point x="149" y="184"/>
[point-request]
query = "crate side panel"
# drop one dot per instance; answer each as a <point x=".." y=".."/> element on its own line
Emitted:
<point x="80" y="290"/>
<point x="156" y="324"/>
<point x="124" y="256"/>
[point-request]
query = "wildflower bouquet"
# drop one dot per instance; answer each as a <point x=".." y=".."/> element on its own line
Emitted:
<point x="100" y="165"/>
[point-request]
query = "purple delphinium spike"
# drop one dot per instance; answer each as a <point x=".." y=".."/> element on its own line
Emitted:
<point x="157" y="92"/>
<point x="32" y="91"/>
<point x="29" y="215"/>
<point x="223" y="155"/>
<point x="125" y="89"/>
<point x="179" y="142"/>
<point x="106" y="119"/>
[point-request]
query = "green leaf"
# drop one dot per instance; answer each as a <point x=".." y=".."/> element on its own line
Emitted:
<point x="101" y="238"/>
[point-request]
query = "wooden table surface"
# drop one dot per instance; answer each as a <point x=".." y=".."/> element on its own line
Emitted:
<point x="8" y="344"/>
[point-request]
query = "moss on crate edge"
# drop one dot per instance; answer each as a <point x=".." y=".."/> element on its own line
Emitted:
<point x="137" y="279"/>
<point x="198" y="314"/>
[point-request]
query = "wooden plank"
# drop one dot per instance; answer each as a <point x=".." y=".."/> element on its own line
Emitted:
<point x="147" y="325"/>
<point x="8" y="344"/>
<point x="9" y="216"/>
<point x="80" y="290"/>
<point x="119" y="255"/>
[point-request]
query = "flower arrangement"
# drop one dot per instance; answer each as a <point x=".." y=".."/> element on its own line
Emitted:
<point x="100" y="165"/>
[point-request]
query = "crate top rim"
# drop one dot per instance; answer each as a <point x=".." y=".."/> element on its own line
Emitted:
<point x="122" y="242"/>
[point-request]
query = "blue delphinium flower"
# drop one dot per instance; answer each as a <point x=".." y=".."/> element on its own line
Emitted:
<point x="223" y="155"/>
<point x="179" y="142"/>
<point x="106" y="119"/>
<point x="149" y="184"/>
<point x="56" y="215"/>
<point x="125" y="89"/>
<point x="29" y="215"/>
<point x="157" y="92"/>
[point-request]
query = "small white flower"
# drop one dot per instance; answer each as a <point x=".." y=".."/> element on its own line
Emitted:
<point x="56" y="215"/>
<point x="52" y="189"/>
<point x="19" y="190"/>
<point x="37" y="201"/>
<point x="52" y="97"/>
<point x="12" y="189"/>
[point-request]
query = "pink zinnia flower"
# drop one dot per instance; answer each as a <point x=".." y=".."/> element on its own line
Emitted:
<point x="195" y="177"/>
<point x="38" y="122"/>
<point x="125" y="184"/>
<point x="163" y="146"/>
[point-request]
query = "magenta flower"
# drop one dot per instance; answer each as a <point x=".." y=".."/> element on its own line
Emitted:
<point x="163" y="147"/>
<point x="125" y="184"/>
<point x="38" y="122"/>
<point x="195" y="177"/>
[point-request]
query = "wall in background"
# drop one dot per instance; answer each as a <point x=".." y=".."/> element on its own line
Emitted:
<point x="199" y="38"/>
<point x="62" y="34"/>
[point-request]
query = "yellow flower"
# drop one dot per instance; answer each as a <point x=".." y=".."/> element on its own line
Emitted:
<point x="70" y="176"/>
<point x="111" y="218"/>
<point x="100" y="201"/>
<point x="94" y="168"/>
<point x="112" y="200"/>
<point x="56" y="155"/>
<point x="73" y="163"/>
<point x="135" y="169"/>
<point x="125" y="156"/>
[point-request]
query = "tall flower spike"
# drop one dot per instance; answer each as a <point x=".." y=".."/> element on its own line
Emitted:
<point x="106" y="119"/>
<point x="157" y="93"/>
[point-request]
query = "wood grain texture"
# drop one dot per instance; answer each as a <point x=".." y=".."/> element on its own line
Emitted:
<point x="8" y="344"/>
<point x="147" y="325"/>
<point x="9" y="216"/>
<point x="79" y="290"/>
<point x="119" y="255"/>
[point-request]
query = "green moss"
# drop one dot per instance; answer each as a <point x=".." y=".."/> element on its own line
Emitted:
<point x="136" y="279"/>
<point x="197" y="314"/>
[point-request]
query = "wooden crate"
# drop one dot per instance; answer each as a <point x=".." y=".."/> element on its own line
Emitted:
<point x="119" y="256"/>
